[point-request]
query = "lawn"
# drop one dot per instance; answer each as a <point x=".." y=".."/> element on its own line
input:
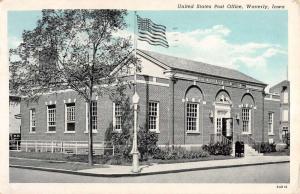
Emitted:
<point x="285" y="152"/>
<point x="211" y="157"/>
<point x="73" y="166"/>
<point x="56" y="157"/>
<point x="101" y="159"/>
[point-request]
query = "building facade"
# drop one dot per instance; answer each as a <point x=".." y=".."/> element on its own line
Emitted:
<point x="185" y="102"/>
<point x="14" y="115"/>
<point x="283" y="89"/>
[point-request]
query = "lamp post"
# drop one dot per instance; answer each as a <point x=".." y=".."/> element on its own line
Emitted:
<point x="134" y="151"/>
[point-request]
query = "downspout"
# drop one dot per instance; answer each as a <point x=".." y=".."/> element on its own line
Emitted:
<point x="171" y="108"/>
<point x="263" y="116"/>
<point x="184" y="123"/>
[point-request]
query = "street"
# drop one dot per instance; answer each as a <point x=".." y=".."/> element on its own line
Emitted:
<point x="271" y="173"/>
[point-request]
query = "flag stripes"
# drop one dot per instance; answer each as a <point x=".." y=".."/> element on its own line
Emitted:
<point x="154" y="34"/>
<point x="153" y="38"/>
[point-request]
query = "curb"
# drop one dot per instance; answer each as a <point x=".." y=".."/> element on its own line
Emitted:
<point x="140" y="174"/>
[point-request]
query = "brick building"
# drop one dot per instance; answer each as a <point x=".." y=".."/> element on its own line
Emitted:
<point x="283" y="89"/>
<point x="187" y="103"/>
<point x="14" y="115"/>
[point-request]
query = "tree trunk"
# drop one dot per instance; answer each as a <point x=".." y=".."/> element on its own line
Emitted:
<point x="90" y="130"/>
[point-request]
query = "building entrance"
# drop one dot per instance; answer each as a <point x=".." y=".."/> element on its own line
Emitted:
<point x="227" y="126"/>
<point x="223" y="121"/>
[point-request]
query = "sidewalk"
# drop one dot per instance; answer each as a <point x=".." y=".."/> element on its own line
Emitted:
<point x="123" y="171"/>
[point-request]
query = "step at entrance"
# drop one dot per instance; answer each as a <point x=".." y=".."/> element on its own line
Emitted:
<point x="249" y="151"/>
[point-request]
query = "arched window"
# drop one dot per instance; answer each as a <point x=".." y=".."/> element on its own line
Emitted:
<point x="193" y="97"/>
<point x="247" y="109"/>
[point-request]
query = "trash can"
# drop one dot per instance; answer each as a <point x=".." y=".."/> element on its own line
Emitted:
<point x="242" y="153"/>
<point x="239" y="149"/>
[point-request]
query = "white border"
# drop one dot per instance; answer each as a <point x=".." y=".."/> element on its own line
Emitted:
<point x="294" y="69"/>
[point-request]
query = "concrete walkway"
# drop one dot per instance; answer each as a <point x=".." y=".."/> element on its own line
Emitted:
<point x="121" y="171"/>
<point x="188" y="166"/>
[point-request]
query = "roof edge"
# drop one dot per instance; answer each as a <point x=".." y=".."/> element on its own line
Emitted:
<point x="258" y="82"/>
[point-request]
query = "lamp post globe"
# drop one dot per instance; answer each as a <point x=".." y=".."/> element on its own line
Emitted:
<point x="135" y="98"/>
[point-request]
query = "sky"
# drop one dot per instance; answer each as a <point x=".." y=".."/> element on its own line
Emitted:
<point x="253" y="42"/>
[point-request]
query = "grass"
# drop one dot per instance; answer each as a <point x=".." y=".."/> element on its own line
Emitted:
<point x="52" y="164"/>
<point x="285" y="152"/>
<point x="56" y="157"/>
<point x="39" y="155"/>
<point x="60" y="157"/>
<point x="211" y="157"/>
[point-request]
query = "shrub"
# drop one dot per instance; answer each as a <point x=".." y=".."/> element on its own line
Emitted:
<point x="264" y="147"/>
<point x="267" y="147"/>
<point x="280" y="147"/>
<point x="124" y="152"/>
<point x="121" y="140"/>
<point x="286" y="139"/>
<point x="147" y="143"/>
<point x="116" y="160"/>
<point x="178" y="153"/>
<point x="218" y="148"/>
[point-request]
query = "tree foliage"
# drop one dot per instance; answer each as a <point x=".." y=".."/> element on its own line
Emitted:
<point x="75" y="49"/>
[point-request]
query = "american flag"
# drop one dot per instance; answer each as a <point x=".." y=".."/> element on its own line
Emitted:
<point x="154" y="34"/>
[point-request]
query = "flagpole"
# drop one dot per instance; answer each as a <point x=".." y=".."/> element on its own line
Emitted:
<point x="135" y="101"/>
<point x="135" y="46"/>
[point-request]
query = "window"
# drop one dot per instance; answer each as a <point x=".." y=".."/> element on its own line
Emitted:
<point x="270" y="123"/>
<point x="32" y="120"/>
<point x="117" y="117"/>
<point x="219" y="125"/>
<point x="70" y="117"/>
<point x="51" y="118"/>
<point x="285" y="128"/>
<point x="153" y="116"/>
<point x="285" y="96"/>
<point x="246" y="120"/>
<point x="285" y="115"/>
<point x="94" y="115"/>
<point x="192" y="117"/>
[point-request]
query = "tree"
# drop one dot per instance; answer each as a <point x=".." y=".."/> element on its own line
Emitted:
<point x="76" y="49"/>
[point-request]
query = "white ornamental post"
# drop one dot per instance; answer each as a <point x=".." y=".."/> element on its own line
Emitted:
<point x="134" y="151"/>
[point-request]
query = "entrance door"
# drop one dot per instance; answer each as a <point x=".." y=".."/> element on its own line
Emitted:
<point x="227" y="126"/>
<point x="224" y="126"/>
<point x="222" y="114"/>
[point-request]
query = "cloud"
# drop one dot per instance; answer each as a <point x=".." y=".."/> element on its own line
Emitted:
<point x="260" y="60"/>
<point x="212" y="46"/>
<point x="215" y="30"/>
<point x="253" y="62"/>
<point x="270" y="52"/>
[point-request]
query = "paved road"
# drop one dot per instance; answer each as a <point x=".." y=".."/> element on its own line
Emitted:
<point x="271" y="173"/>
